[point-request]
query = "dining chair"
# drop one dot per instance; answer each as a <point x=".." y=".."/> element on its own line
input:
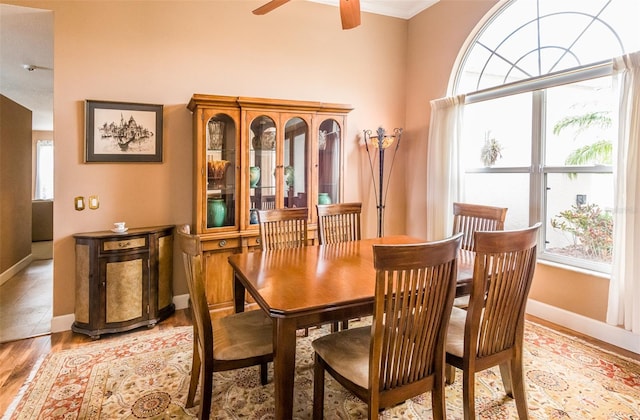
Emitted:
<point x="231" y="342"/>
<point x="401" y="354"/>
<point x="339" y="222"/>
<point x="283" y="228"/>
<point x="490" y="331"/>
<point x="468" y="218"/>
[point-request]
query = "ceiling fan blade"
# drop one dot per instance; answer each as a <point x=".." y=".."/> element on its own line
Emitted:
<point x="350" y="13"/>
<point x="266" y="8"/>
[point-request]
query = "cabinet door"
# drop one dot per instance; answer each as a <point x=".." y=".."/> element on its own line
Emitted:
<point x="329" y="163"/>
<point x="126" y="289"/>
<point x="295" y="176"/>
<point x="218" y="271"/>
<point x="220" y="171"/>
<point x="262" y="158"/>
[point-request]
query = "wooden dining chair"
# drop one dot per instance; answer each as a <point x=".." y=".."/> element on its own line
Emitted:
<point x="339" y="222"/>
<point x="469" y="218"/>
<point x="401" y="354"/>
<point x="231" y="342"/>
<point x="283" y="228"/>
<point x="490" y="331"/>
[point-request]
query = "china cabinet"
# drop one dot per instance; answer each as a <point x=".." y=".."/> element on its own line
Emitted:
<point x="123" y="280"/>
<point x="254" y="154"/>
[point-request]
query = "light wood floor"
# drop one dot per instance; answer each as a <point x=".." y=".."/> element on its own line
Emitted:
<point x="18" y="357"/>
<point x="26" y="302"/>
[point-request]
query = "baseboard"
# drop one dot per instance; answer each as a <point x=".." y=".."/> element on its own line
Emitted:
<point x="597" y="329"/>
<point x="64" y="322"/>
<point x="15" y="269"/>
<point x="181" y="301"/>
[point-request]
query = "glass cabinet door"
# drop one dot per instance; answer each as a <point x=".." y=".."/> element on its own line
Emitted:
<point x="221" y="171"/>
<point x="295" y="174"/>
<point x="262" y="165"/>
<point x="329" y="138"/>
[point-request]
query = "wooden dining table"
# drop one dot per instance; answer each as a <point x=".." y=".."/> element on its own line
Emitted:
<point x="313" y="285"/>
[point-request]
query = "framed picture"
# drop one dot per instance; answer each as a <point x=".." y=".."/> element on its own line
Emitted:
<point x="122" y="132"/>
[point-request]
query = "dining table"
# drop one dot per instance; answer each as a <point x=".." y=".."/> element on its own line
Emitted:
<point x="314" y="285"/>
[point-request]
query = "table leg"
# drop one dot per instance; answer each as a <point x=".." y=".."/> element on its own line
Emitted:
<point x="284" y="366"/>
<point x="238" y="293"/>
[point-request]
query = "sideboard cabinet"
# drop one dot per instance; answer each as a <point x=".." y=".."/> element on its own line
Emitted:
<point x="123" y="280"/>
<point x="255" y="154"/>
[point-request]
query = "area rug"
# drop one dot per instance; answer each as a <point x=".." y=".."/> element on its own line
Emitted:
<point x="147" y="376"/>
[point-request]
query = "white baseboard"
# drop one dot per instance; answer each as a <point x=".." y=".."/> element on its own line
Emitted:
<point x="181" y="301"/>
<point x="602" y="331"/>
<point x="64" y="322"/>
<point x="15" y="269"/>
<point x="613" y="335"/>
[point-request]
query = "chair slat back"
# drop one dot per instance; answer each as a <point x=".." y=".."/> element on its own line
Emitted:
<point x="339" y="222"/>
<point x="469" y="218"/>
<point x="283" y="228"/>
<point x="191" y="249"/>
<point x="415" y="288"/>
<point x="504" y="267"/>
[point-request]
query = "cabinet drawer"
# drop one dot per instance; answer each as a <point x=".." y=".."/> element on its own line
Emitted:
<point x="254" y="241"/>
<point x="220" y="244"/>
<point x="124" y="244"/>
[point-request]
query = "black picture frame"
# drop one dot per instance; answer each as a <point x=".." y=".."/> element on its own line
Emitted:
<point x="122" y="132"/>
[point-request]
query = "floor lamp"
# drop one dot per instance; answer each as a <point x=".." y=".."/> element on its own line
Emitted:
<point x="381" y="141"/>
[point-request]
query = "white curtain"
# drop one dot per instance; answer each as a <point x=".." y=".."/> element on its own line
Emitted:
<point x="443" y="181"/>
<point x="624" y="288"/>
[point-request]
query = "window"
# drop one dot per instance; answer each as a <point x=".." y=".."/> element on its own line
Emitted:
<point x="539" y="120"/>
<point x="44" y="170"/>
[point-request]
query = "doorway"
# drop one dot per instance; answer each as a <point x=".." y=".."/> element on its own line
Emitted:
<point x="26" y="78"/>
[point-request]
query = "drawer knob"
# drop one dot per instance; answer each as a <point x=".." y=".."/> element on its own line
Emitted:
<point x="124" y="244"/>
<point x="222" y="243"/>
<point x="258" y="241"/>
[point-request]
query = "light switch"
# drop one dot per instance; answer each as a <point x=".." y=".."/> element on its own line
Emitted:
<point x="78" y="203"/>
<point x="94" y="203"/>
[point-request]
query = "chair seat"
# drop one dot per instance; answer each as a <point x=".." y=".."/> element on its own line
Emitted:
<point x="242" y="335"/>
<point x="455" y="332"/>
<point x="347" y="352"/>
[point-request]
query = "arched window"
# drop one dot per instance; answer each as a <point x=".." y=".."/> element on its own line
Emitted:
<point x="539" y="119"/>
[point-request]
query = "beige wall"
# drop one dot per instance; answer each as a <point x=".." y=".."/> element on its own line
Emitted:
<point x="162" y="52"/>
<point x="15" y="183"/>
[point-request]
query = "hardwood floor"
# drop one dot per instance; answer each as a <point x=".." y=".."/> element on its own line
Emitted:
<point x="26" y="302"/>
<point x="19" y="357"/>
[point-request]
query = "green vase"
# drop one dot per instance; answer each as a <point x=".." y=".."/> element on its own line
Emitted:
<point x="216" y="212"/>
<point x="254" y="176"/>
<point x="323" y="198"/>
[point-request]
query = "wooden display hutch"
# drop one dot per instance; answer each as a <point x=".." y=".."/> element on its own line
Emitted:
<point x="123" y="280"/>
<point x="252" y="154"/>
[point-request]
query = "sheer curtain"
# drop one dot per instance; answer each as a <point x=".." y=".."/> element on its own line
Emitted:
<point x="443" y="181"/>
<point x="624" y="288"/>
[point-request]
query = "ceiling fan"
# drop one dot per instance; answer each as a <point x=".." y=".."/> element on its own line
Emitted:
<point x="349" y="11"/>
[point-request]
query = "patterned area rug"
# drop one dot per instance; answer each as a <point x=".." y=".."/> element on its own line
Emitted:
<point x="147" y="376"/>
